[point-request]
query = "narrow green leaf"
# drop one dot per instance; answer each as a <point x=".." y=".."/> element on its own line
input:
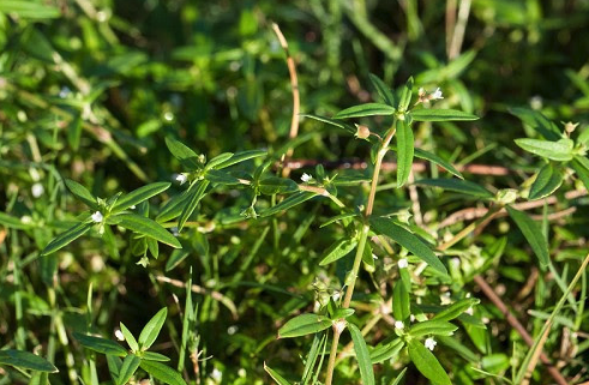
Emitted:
<point x="129" y="367"/>
<point x="337" y="123"/>
<point x="173" y="208"/>
<point x="221" y="177"/>
<point x="533" y="234"/>
<point x="583" y="137"/>
<point x="152" y="329"/>
<point x="196" y="194"/>
<point x="456" y="309"/>
<point x="427" y="363"/>
<point x="219" y="159"/>
<point x="152" y="356"/>
<point x="241" y="157"/>
<point x="362" y="356"/>
<point x="176" y="258"/>
<point x="385" y="226"/>
<point x="438" y="161"/>
<point x="440" y="115"/>
<point x="275" y="376"/>
<point x="288" y="203"/>
<point x="338" y="250"/>
<point x="561" y="150"/>
<point x="460" y="186"/>
<point x="74" y="132"/>
<point x="162" y="372"/>
<point x="581" y="170"/>
<point x="131" y="341"/>
<point x="275" y="185"/>
<point x="13" y="222"/>
<point x="318" y="342"/>
<point x="67" y="237"/>
<point x="406" y="95"/>
<point x="435" y="327"/>
<point x="401" y="302"/>
<point x="141" y="194"/>
<point x="184" y="154"/>
<point x="383" y="91"/>
<point x="29" y="9"/>
<point x="26" y="360"/>
<point x="304" y="324"/>
<point x="405" y="151"/>
<point x="367" y="109"/>
<point x="547" y="181"/>
<point x="399" y="377"/>
<point x="539" y="122"/>
<point x="100" y="345"/>
<point x="114" y="364"/>
<point x="146" y="226"/>
<point x="81" y="193"/>
<point x="385" y="351"/>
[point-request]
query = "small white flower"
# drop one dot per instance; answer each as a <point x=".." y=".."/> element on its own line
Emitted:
<point x="306" y="177"/>
<point x="182" y="178"/>
<point x="26" y="219"/>
<point x="97" y="217"/>
<point x="133" y="207"/>
<point x="469" y="311"/>
<point x="399" y="325"/>
<point x="430" y="343"/>
<point x="231" y="330"/>
<point x="437" y="94"/>
<point x="403" y="263"/>
<point x="175" y="231"/>
<point x="216" y="375"/>
<point x="64" y="92"/>
<point x="412" y="318"/>
<point x="241" y="372"/>
<point x="374" y="256"/>
<point x="119" y="335"/>
<point x="336" y="295"/>
<point x="445" y="298"/>
<point x="37" y="190"/>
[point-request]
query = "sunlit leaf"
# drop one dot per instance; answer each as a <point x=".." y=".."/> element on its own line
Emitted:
<point x="304" y="324"/>
<point x="25" y="360"/>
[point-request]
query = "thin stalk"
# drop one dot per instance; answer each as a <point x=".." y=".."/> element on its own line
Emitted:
<point x="337" y="331"/>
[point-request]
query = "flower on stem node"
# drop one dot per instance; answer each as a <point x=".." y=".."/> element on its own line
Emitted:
<point x="403" y="263"/>
<point x="97" y="217"/>
<point x="181" y="178"/>
<point x="430" y="343"/>
<point x="306" y="177"/>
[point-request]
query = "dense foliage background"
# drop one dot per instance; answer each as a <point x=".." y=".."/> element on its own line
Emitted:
<point x="89" y="89"/>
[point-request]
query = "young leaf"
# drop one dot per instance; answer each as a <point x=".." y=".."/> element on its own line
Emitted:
<point x="533" y="234"/>
<point x="460" y="186"/>
<point x="438" y="161"/>
<point x="304" y="324"/>
<point x="152" y="356"/>
<point x="219" y="159"/>
<point x="26" y="360"/>
<point x="173" y="208"/>
<point x="131" y="341"/>
<point x="275" y="376"/>
<point x="367" y="109"/>
<point x="82" y="193"/>
<point x="241" y="157"/>
<point x="561" y="150"/>
<point x="152" y="329"/>
<point x="196" y="193"/>
<point x="364" y="362"/>
<point x="101" y="345"/>
<point x="385" y="351"/>
<point x="275" y="185"/>
<point x="337" y="123"/>
<point x="318" y="342"/>
<point x="141" y="194"/>
<point x="434" y="327"/>
<point x="184" y="154"/>
<point x="385" y="226"/>
<point x="401" y="302"/>
<point x="221" y="177"/>
<point x="338" y="250"/>
<point x="406" y="95"/>
<point x="129" y="367"/>
<point x="162" y="372"/>
<point x="288" y="203"/>
<point x="405" y="151"/>
<point x="455" y="310"/>
<point x="548" y="180"/>
<point x="67" y="237"/>
<point x="440" y="115"/>
<point x="427" y="363"/>
<point x="383" y="91"/>
<point x="148" y="227"/>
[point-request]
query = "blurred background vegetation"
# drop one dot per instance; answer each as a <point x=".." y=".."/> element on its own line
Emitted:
<point x="89" y="89"/>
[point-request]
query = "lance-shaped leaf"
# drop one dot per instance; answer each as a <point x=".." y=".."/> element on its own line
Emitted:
<point x="241" y="157"/>
<point x="276" y="185"/>
<point x="13" y="222"/>
<point x="456" y="309"/>
<point x="152" y="356"/>
<point x="405" y="151"/>
<point x="141" y="194"/>
<point x="533" y="234"/>
<point x="26" y="360"/>
<point x="406" y="94"/>
<point x="288" y="203"/>
<point x="383" y="91"/>
<point x="367" y="109"/>
<point x="67" y="237"/>
<point x="162" y="372"/>
<point x="337" y="123"/>
<point x="196" y="193"/>
<point x="29" y="9"/>
<point x="275" y="376"/>
<point x="221" y="177"/>
<point x="82" y="193"/>
<point x="385" y="351"/>
<point x="438" y="161"/>
<point x="146" y="226"/>
<point x="362" y="356"/>
<point x="401" y="302"/>
<point x="440" y="115"/>
<point x="318" y="343"/>
<point x="219" y="159"/>
<point x="435" y="327"/>
<point x="460" y="186"/>
<point x="427" y="363"/>
<point x="129" y="367"/>
<point x="539" y="122"/>
<point x="152" y="329"/>
<point x="101" y="345"/>
<point x="173" y="208"/>
<point x="581" y="169"/>
<point x="304" y="324"/>
<point x="338" y="250"/>
<point x="184" y="154"/>
<point x="561" y="150"/>
<point x="385" y="226"/>
<point x="129" y="337"/>
<point x="548" y="180"/>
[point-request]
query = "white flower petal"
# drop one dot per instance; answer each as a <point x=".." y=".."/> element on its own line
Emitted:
<point x="403" y="263"/>
<point x="97" y="217"/>
<point x="430" y="343"/>
<point x="306" y="177"/>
